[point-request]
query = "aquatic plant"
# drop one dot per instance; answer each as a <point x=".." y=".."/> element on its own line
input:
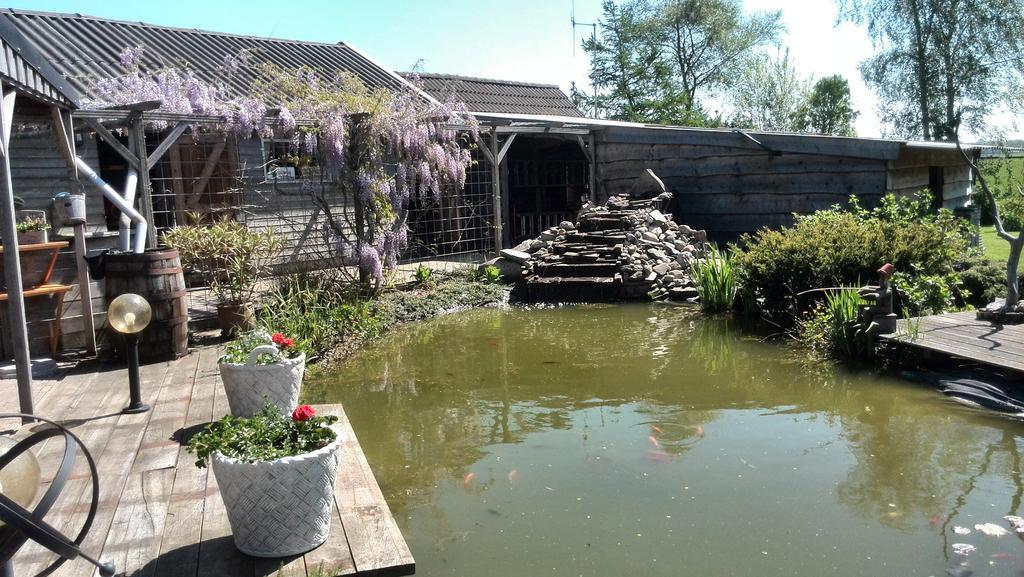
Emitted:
<point x="715" y="280"/>
<point x="832" y="328"/>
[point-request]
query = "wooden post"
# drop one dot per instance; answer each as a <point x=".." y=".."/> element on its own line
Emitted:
<point x="591" y="142"/>
<point x="496" y="183"/>
<point x="12" y="262"/>
<point x="144" y="192"/>
<point x="64" y="130"/>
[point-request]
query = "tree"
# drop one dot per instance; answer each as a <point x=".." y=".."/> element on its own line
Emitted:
<point x="828" y="109"/>
<point x="706" y="41"/>
<point x="938" y="61"/>
<point x="631" y="78"/>
<point x="768" y="94"/>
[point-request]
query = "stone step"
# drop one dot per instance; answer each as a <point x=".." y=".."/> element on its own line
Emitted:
<point x="573" y="289"/>
<point x="576" y="270"/>
<point x="598" y="223"/>
<point x="595" y="238"/>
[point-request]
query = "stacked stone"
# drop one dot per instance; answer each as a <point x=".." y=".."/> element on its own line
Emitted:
<point x="657" y="254"/>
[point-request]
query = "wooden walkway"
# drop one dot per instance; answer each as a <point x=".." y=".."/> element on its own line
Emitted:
<point x="962" y="335"/>
<point x="159" y="514"/>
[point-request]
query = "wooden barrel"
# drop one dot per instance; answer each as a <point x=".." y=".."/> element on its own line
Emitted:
<point x="156" y="276"/>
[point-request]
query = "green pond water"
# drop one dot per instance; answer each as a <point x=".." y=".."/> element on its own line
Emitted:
<point x="648" y="440"/>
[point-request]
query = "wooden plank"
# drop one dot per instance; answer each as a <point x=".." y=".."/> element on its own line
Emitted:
<point x="170" y="140"/>
<point x="218" y="556"/>
<point x="179" y="548"/>
<point x="376" y="542"/>
<point x="114" y="143"/>
<point x="178" y="185"/>
<point x="211" y="163"/>
<point x="159" y="447"/>
<point x="133" y="541"/>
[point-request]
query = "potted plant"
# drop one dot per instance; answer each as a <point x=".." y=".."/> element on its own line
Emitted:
<point x="230" y="258"/>
<point x="259" y="368"/>
<point x="276" y="475"/>
<point x="32" y="230"/>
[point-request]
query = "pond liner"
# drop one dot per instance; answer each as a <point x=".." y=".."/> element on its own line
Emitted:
<point x="986" y="395"/>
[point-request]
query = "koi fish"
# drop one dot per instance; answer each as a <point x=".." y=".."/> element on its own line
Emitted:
<point x="657" y="456"/>
<point x="468" y="480"/>
<point x="657" y="429"/>
<point x="700" y="430"/>
<point x="653" y="441"/>
<point x="934" y="520"/>
<point x="513" y="475"/>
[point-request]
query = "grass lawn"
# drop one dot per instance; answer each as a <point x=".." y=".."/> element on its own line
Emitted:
<point x="996" y="248"/>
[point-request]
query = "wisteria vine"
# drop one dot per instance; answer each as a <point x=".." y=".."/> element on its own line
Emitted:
<point x="381" y="147"/>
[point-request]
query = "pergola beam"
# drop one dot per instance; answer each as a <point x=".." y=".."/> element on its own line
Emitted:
<point x="114" y="143"/>
<point x="167" y="142"/>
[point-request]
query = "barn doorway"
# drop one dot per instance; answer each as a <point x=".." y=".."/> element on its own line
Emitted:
<point x="548" y="182"/>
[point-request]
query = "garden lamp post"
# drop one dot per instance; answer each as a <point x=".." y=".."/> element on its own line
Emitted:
<point x="129" y="314"/>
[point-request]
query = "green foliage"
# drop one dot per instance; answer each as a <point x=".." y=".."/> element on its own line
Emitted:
<point x="926" y="74"/>
<point x="229" y="256"/>
<point x="319" y="310"/>
<point x="654" y="62"/>
<point x="30" y="224"/>
<point x="831" y="328"/>
<point x="827" y="109"/>
<point x="768" y="94"/>
<point x="423" y="275"/>
<point x="981" y="281"/>
<point x="1005" y="178"/>
<point x="926" y="294"/>
<point x="492" y="274"/>
<point x="837" y="247"/>
<point x="237" y="351"/>
<point x="454" y="294"/>
<point x="266" y="436"/>
<point x="716" y="281"/>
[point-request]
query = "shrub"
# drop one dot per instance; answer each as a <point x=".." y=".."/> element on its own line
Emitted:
<point x="981" y="281"/>
<point x="837" y="247"/>
<point x="492" y="274"/>
<point x="423" y="275"/>
<point x="926" y="294"/>
<point x="716" y="281"/>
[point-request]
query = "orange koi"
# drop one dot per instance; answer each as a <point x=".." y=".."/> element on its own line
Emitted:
<point x="468" y="480"/>
<point x="700" y="430"/>
<point x="934" y="520"/>
<point x="657" y="429"/>
<point x="513" y="475"/>
<point x="657" y="456"/>
<point x="653" y="441"/>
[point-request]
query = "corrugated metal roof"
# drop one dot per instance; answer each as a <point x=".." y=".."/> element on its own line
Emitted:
<point x="83" y="49"/>
<point x="489" y="95"/>
<point x="21" y="67"/>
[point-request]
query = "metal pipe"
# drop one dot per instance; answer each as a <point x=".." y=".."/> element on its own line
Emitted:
<point x="125" y="223"/>
<point x="139" y="239"/>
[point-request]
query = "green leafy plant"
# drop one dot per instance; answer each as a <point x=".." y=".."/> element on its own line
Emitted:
<point x="831" y="327"/>
<point x="492" y="274"/>
<point x="982" y="281"/>
<point x="926" y="294"/>
<point x="229" y="256"/>
<point x="716" y="281"/>
<point x="265" y="436"/>
<point x="237" y="351"/>
<point x="423" y="275"/>
<point x="31" y="224"/>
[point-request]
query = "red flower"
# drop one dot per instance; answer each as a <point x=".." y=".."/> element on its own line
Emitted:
<point x="287" y="342"/>
<point x="278" y="338"/>
<point x="303" y="413"/>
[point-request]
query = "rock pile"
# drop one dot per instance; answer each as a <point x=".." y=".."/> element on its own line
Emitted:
<point x="656" y="257"/>
<point x="628" y="249"/>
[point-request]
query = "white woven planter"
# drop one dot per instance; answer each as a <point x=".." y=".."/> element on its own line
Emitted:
<point x="282" y="507"/>
<point x="247" y="384"/>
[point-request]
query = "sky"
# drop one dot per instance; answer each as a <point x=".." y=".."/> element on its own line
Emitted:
<point x="525" y="40"/>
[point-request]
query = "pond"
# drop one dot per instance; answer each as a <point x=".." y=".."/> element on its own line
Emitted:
<point x="604" y="440"/>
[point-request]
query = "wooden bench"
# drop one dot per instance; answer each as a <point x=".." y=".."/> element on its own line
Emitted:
<point x="46" y="288"/>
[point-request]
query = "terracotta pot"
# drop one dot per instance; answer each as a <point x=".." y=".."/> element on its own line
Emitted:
<point x="234" y="318"/>
<point x="282" y="507"/>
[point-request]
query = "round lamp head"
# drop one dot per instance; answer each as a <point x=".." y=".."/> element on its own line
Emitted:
<point x="129" y="314"/>
<point x="19" y="480"/>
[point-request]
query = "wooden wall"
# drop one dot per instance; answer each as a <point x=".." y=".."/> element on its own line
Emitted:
<point x="910" y="173"/>
<point x="730" y="188"/>
<point x="37" y="172"/>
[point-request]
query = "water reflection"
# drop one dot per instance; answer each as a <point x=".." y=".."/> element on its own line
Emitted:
<point x="534" y="436"/>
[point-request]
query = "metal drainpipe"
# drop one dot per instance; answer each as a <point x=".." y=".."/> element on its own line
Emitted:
<point x="139" y="238"/>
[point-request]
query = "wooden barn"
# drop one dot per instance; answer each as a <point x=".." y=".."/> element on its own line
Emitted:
<point x="550" y="158"/>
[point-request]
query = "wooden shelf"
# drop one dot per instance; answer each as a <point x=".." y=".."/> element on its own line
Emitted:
<point x="54" y="246"/>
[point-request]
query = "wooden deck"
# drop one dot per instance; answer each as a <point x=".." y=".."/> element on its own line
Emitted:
<point x="962" y="335"/>
<point x="159" y="514"/>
